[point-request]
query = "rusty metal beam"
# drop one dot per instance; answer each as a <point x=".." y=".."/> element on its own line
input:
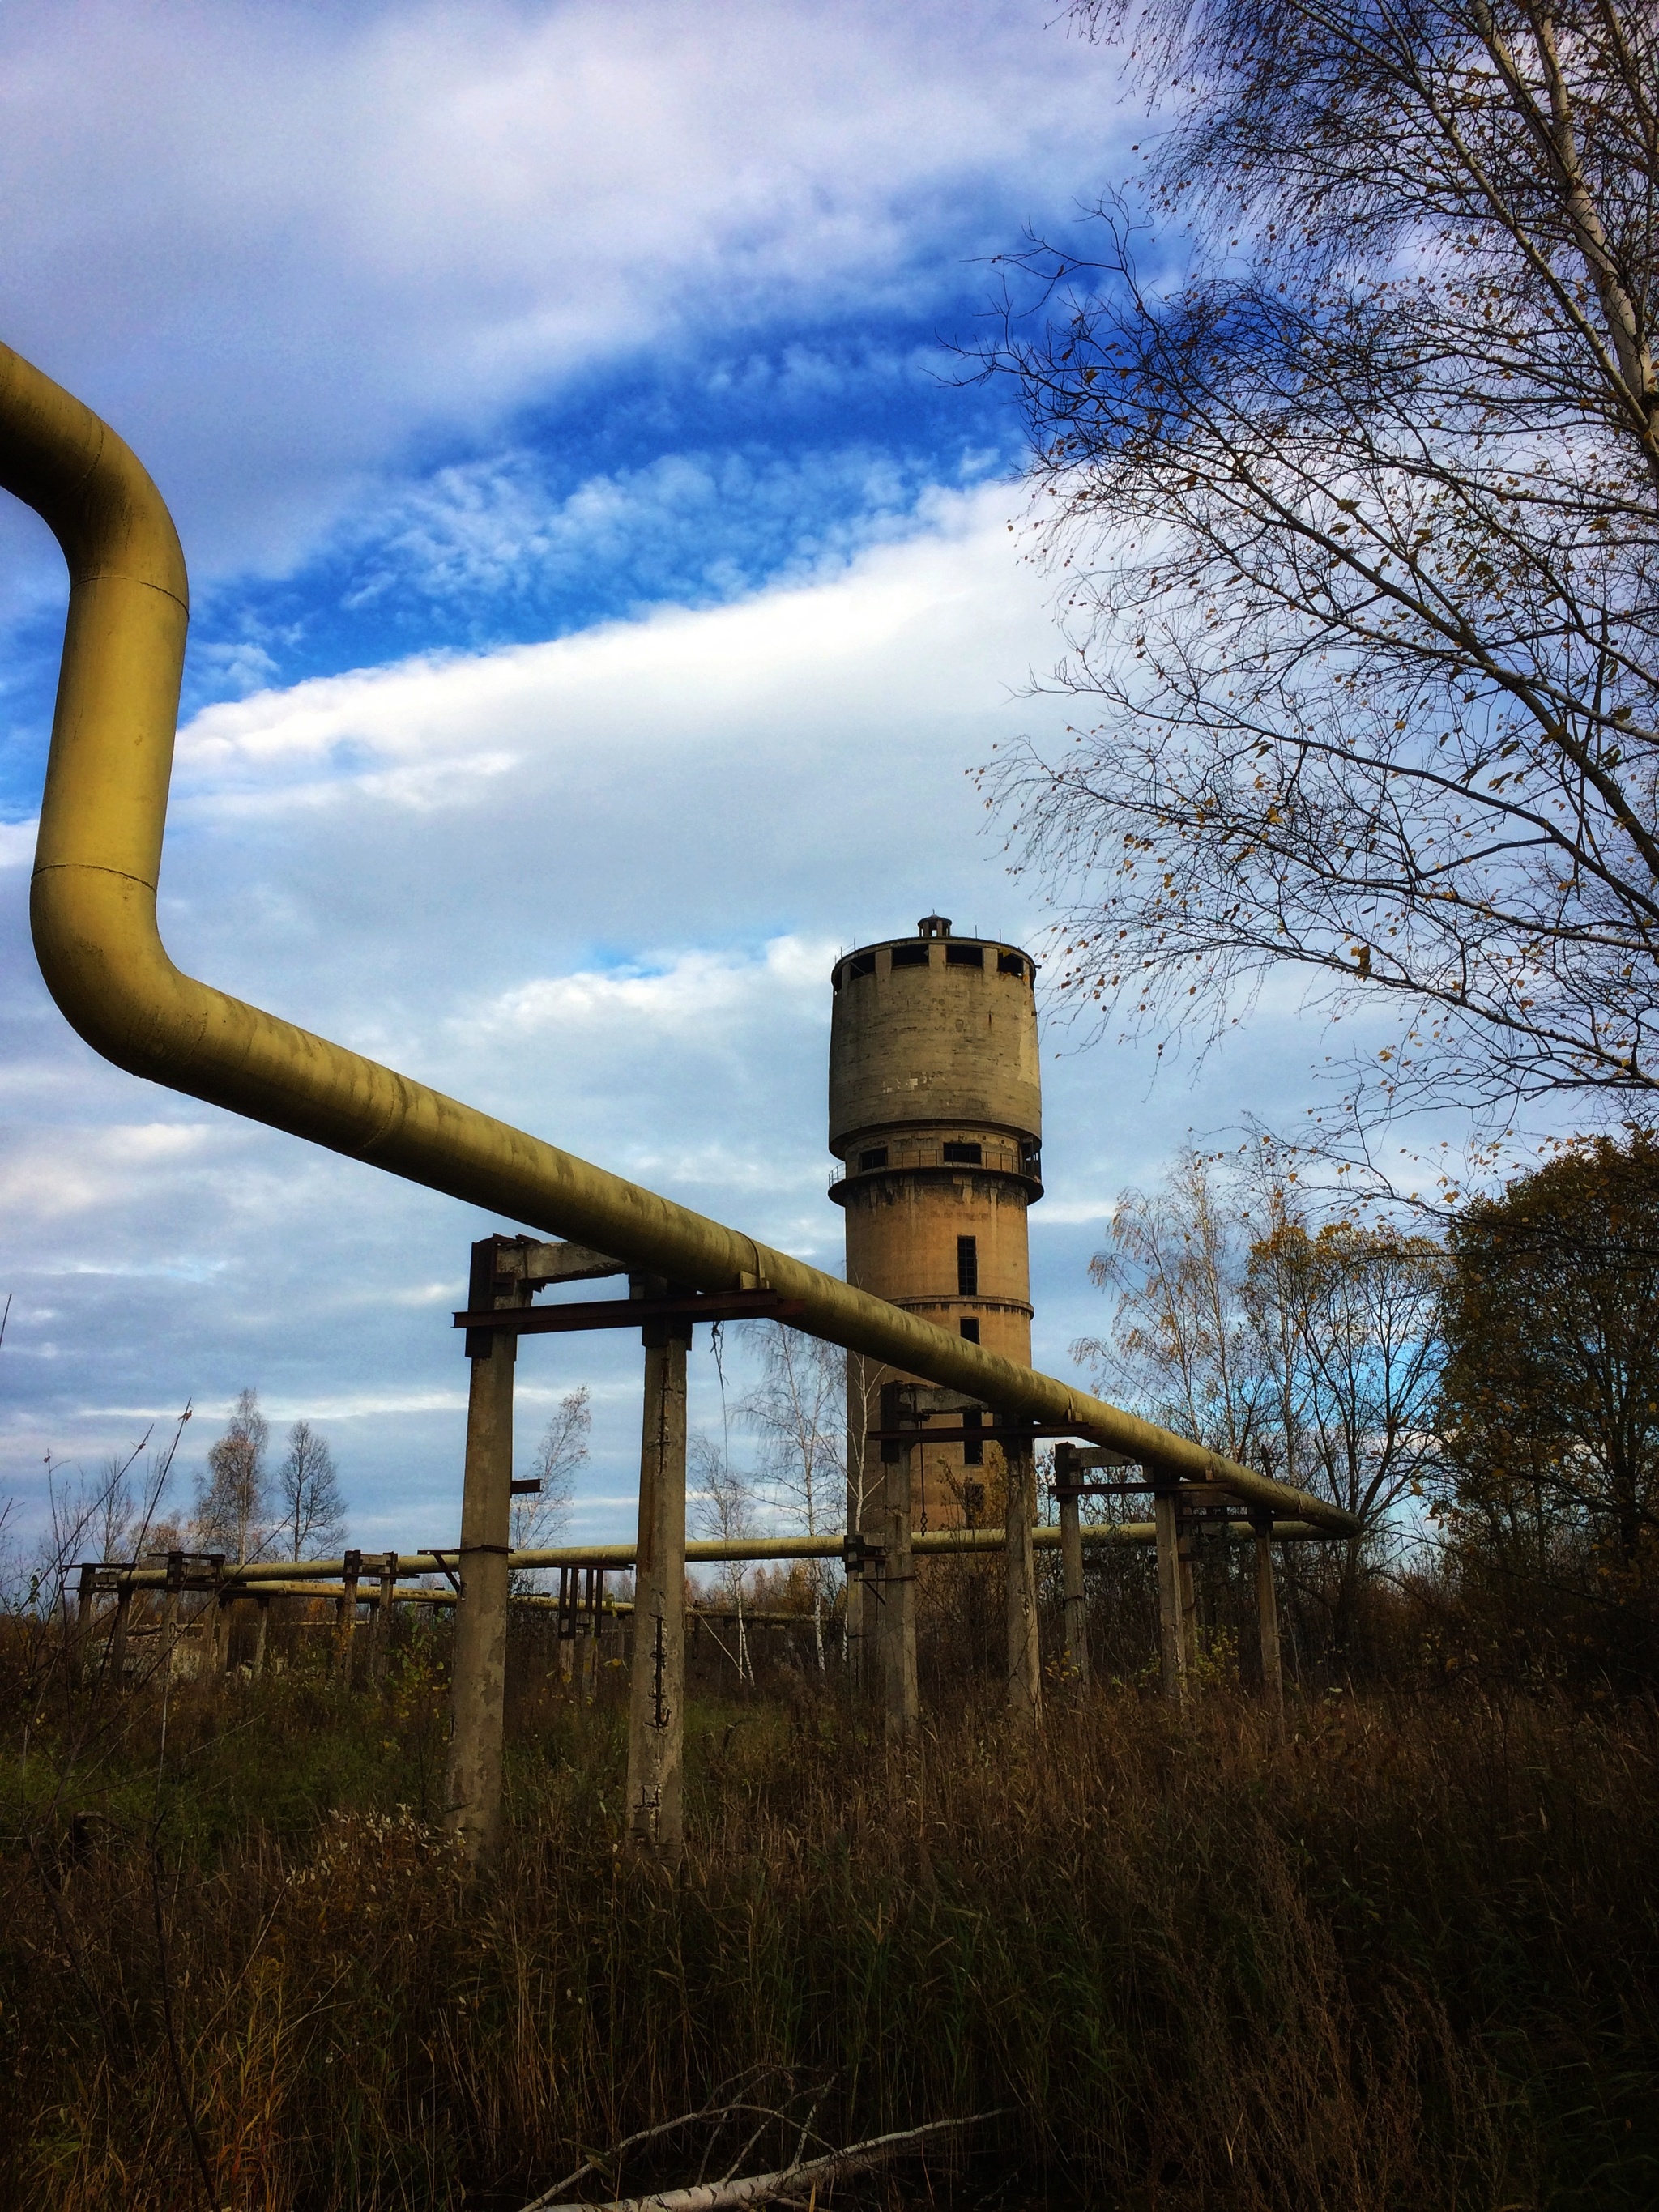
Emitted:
<point x="630" y="1313"/>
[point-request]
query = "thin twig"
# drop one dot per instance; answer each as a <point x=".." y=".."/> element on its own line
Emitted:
<point x="714" y="2112"/>
<point x="744" y="2154"/>
<point x="766" y="2116"/>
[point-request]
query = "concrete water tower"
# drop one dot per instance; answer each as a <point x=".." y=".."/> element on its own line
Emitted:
<point x="936" y="1114"/>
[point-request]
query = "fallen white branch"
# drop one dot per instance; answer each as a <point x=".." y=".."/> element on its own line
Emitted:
<point x="787" y="2181"/>
<point x="715" y="2114"/>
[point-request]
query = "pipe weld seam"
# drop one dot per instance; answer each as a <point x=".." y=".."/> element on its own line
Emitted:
<point x="125" y="576"/>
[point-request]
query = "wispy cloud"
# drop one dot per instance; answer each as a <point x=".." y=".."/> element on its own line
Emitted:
<point x="477" y="538"/>
<point x="352" y="225"/>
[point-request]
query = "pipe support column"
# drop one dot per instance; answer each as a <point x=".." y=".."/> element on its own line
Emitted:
<point x="380" y="1633"/>
<point x="1172" y="1646"/>
<point x="345" y="1612"/>
<point x="118" y="1641"/>
<point x="1186" y="1542"/>
<point x="1075" y="1595"/>
<point x="656" y="1711"/>
<point x="899" y="1682"/>
<point x="1266" y="1613"/>
<point x="1019" y="1568"/>
<point x="86" y="1611"/>
<point x="170" y="1631"/>
<point x="478" y="1686"/>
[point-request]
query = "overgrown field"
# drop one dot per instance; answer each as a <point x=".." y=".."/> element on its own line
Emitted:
<point x="1409" y="1959"/>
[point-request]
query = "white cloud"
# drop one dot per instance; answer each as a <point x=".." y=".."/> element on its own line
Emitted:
<point x="683" y="993"/>
<point x="271" y="242"/>
<point x="495" y="533"/>
<point x="49" y="1176"/>
<point x="1060" y="1213"/>
<point x="954" y="550"/>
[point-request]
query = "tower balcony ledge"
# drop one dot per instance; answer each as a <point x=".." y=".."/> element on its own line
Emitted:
<point x="938" y="1161"/>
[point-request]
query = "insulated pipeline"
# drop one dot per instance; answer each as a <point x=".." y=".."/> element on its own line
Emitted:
<point x="92" y="908"/>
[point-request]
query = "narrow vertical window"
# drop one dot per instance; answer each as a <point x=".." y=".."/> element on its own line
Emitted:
<point x="967" y="1266"/>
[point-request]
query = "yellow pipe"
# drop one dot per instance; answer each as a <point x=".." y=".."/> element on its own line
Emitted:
<point x="92" y="905"/>
<point x="321" y="1577"/>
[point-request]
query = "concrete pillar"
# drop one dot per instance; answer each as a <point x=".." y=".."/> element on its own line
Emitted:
<point x="380" y="1641"/>
<point x="587" y="1651"/>
<point x="656" y="1712"/>
<point x="1073" y="1596"/>
<point x="478" y="1682"/>
<point x="86" y="1608"/>
<point x="1266" y="1613"/>
<point x="566" y="1624"/>
<point x="1019" y="1568"/>
<point x="859" y="1626"/>
<point x="345" y="1617"/>
<point x="118" y="1641"/>
<point x="1186" y="1547"/>
<point x="897" y="1632"/>
<point x="261" y="1629"/>
<point x="215" y="1619"/>
<point x="175" y="1582"/>
<point x="1172" y="1643"/>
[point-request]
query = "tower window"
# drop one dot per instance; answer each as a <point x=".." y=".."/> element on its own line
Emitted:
<point x="969" y="1331"/>
<point x="910" y="956"/>
<point x="973" y="1448"/>
<point x="861" y="964"/>
<point x="875" y="1157"/>
<point x="964" y="1156"/>
<point x="967" y="1266"/>
<point x="965" y="956"/>
<point x="1010" y="963"/>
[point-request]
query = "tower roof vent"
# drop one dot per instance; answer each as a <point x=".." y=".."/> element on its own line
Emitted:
<point x="933" y="925"/>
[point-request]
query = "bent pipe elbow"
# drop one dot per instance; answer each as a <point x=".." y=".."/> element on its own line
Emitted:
<point x="92" y="913"/>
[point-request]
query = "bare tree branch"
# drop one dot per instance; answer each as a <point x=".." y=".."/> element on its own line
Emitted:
<point x="1354" y="500"/>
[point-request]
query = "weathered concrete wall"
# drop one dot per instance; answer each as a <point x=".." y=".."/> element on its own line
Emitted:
<point x="902" y="1243"/>
<point x="939" y="1042"/>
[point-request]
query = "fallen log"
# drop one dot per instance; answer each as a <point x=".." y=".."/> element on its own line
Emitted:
<point x="787" y="2181"/>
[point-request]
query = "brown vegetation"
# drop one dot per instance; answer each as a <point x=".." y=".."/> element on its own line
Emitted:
<point x="1411" y="1959"/>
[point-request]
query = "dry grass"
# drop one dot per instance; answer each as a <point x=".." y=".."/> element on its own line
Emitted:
<point x="1411" y="1960"/>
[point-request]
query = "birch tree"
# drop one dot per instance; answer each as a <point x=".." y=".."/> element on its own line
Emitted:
<point x="561" y="1451"/>
<point x="233" y="1501"/>
<point x="1344" y="440"/>
<point x="313" y="1516"/>
<point x="797" y="1410"/>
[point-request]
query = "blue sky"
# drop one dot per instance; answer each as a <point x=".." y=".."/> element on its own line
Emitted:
<point x="604" y="584"/>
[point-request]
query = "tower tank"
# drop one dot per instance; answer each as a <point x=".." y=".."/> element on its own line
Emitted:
<point x="936" y="1117"/>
